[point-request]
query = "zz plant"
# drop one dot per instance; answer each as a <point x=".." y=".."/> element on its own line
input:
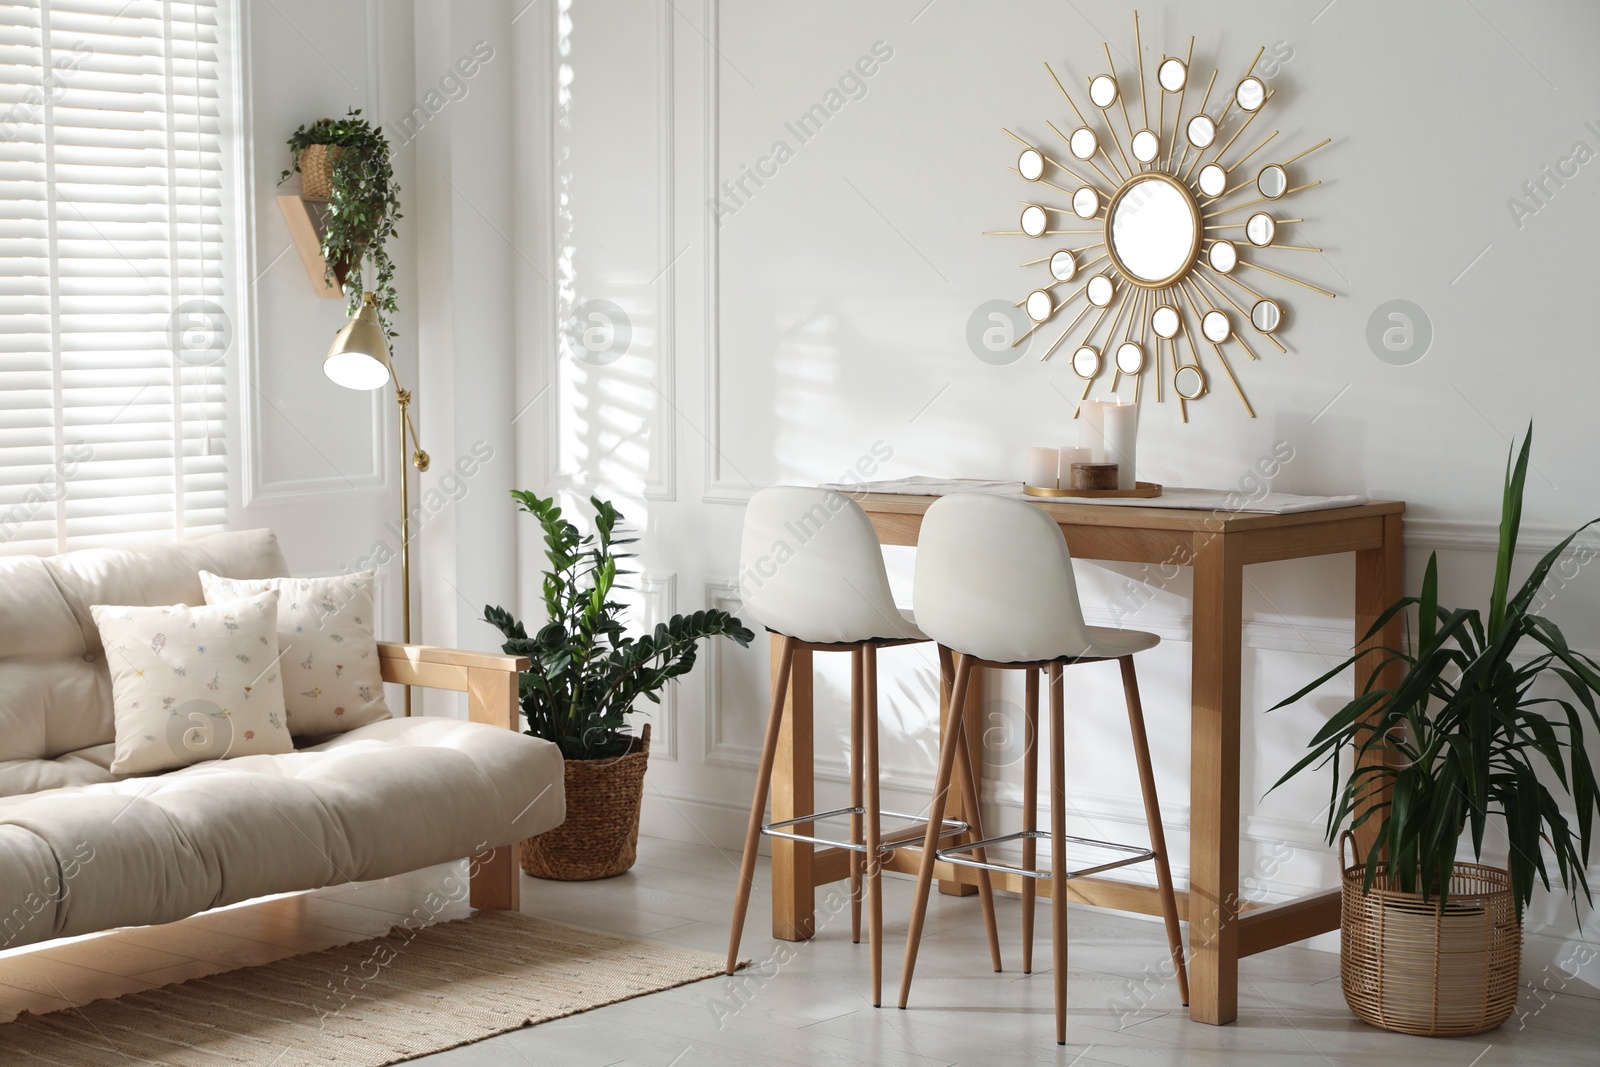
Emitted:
<point x="362" y="209"/>
<point x="1474" y="728"/>
<point x="587" y="672"/>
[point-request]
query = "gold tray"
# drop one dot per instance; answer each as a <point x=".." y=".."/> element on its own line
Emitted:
<point x="1145" y="489"/>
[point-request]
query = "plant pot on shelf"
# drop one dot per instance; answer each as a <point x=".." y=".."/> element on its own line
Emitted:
<point x="600" y="838"/>
<point x="1415" y="967"/>
<point x="316" y="170"/>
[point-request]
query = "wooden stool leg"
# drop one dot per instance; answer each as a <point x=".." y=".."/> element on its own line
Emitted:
<point x="969" y="792"/>
<point x="1058" y="850"/>
<point x="930" y="841"/>
<point x="874" y="864"/>
<point x="855" y="792"/>
<point x="758" y="805"/>
<point x="1030" y="808"/>
<point x="1152" y="815"/>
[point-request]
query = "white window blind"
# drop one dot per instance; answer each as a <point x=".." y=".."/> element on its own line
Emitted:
<point x="114" y="313"/>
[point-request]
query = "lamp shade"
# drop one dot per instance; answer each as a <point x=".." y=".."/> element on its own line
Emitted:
<point x="359" y="356"/>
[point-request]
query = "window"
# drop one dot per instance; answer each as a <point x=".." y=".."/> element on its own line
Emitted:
<point x="115" y="313"/>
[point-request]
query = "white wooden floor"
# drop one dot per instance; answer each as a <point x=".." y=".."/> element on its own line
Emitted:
<point x="808" y="1003"/>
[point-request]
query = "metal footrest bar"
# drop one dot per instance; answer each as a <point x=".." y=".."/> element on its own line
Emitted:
<point x="948" y="828"/>
<point x="1134" y="854"/>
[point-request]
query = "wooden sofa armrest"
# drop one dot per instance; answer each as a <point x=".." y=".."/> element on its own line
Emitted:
<point x="490" y="681"/>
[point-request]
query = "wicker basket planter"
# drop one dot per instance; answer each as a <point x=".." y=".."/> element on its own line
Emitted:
<point x="1416" y="968"/>
<point x="316" y="170"/>
<point x="600" y="838"/>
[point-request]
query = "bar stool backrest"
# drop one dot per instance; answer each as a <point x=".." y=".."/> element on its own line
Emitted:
<point x="994" y="580"/>
<point x="811" y="567"/>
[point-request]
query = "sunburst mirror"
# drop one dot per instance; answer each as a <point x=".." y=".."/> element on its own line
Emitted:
<point x="1165" y="269"/>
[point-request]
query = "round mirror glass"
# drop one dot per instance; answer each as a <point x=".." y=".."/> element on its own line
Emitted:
<point x="1130" y="357"/>
<point x="1172" y="74"/>
<point x="1031" y="164"/>
<point x="1261" y="229"/>
<point x="1039" y="305"/>
<point x="1101" y="290"/>
<point x="1146" y="146"/>
<point x="1266" y="315"/>
<point x="1250" y="94"/>
<point x="1086" y="362"/>
<point x="1223" y="257"/>
<point x="1063" y="266"/>
<point x="1213" y="180"/>
<point x="1154" y="230"/>
<point x="1086" y="202"/>
<point x="1103" y="91"/>
<point x="1164" y="321"/>
<point x="1272" y="182"/>
<point x="1202" y="131"/>
<point x="1084" y="143"/>
<point x="1189" y="383"/>
<point x="1033" y="220"/>
<point x="1215" y="325"/>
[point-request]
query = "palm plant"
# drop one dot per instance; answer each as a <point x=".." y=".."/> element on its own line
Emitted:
<point x="1462" y="736"/>
<point x="587" y="673"/>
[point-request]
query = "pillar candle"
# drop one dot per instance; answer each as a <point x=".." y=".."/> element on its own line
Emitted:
<point x="1120" y="428"/>
<point x="1091" y="430"/>
<point x="1044" y="465"/>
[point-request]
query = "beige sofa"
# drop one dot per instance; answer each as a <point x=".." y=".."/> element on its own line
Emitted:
<point x="81" y="850"/>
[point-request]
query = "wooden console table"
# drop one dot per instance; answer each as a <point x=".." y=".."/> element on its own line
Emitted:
<point x="1218" y="546"/>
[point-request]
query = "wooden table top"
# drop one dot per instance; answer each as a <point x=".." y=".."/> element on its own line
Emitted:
<point x="1147" y="518"/>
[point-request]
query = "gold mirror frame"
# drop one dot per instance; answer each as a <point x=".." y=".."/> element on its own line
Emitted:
<point x="1195" y="238"/>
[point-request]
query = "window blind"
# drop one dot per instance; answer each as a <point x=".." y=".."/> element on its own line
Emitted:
<point x="115" y="321"/>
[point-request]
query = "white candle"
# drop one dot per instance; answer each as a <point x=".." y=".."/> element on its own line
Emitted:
<point x="1121" y="431"/>
<point x="1043" y="463"/>
<point x="1069" y="456"/>
<point x="1091" y="430"/>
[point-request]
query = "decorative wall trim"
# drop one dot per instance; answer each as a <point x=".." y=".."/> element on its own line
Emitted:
<point x="662" y="483"/>
<point x="722" y="594"/>
<point x="659" y="593"/>
<point x="1481" y="534"/>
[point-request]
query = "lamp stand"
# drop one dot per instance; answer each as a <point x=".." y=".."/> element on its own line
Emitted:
<point x="419" y="460"/>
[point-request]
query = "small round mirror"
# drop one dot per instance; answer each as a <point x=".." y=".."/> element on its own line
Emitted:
<point x="1101" y="290"/>
<point x="1215" y="326"/>
<point x="1034" y="220"/>
<point x="1084" y="143"/>
<point x="1250" y="94"/>
<point x="1031" y="164"/>
<point x="1172" y="75"/>
<point x="1086" y="202"/>
<point x="1086" y="362"/>
<point x="1261" y="229"/>
<point x="1273" y="181"/>
<point x="1130" y="357"/>
<point x="1146" y="146"/>
<point x="1266" y="315"/>
<point x="1039" y="305"/>
<point x="1154" y="229"/>
<point x="1189" y="383"/>
<point x="1063" y="266"/>
<point x="1213" y="180"/>
<point x="1202" y="131"/>
<point x="1223" y="257"/>
<point x="1103" y="91"/>
<point x="1165" y="321"/>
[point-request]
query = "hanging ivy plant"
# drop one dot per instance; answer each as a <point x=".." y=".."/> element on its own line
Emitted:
<point x="363" y="206"/>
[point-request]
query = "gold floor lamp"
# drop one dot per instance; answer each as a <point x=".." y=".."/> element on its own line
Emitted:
<point x="359" y="359"/>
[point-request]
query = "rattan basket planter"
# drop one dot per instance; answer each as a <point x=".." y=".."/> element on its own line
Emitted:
<point x="1413" y="967"/>
<point x="600" y="838"/>
<point x="316" y="170"/>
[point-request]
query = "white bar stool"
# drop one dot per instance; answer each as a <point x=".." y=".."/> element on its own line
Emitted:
<point x="994" y="585"/>
<point x="812" y="572"/>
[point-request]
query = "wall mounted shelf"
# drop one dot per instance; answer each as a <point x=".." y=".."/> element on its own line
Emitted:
<point x="307" y="221"/>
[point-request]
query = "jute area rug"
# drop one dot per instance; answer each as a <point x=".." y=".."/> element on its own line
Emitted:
<point x="366" y="1004"/>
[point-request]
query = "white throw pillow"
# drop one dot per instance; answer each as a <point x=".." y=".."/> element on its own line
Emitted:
<point x="194" y="684"/>
<point x="331" y="678"/>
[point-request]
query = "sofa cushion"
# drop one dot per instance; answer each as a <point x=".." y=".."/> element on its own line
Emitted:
<point x="394" y="796"/>
<point x="55" y="691"/>
<point x="90" y="766"/>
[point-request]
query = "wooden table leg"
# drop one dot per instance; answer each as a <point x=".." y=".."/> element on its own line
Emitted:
<point x="793" y="892"/>
<point x="955" y="806"/>
<point x="1380" y="581"/>
<point x="1214" y="782"/>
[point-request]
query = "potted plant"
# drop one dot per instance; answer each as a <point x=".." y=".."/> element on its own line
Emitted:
<point x="1431" y="945"/>
<point x="346" y="162"/>
<point x="586" y="677"/>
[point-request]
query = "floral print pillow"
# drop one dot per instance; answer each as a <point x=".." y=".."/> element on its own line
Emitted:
<point x="194" y="684"/>
<point x="331" y="678"/>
